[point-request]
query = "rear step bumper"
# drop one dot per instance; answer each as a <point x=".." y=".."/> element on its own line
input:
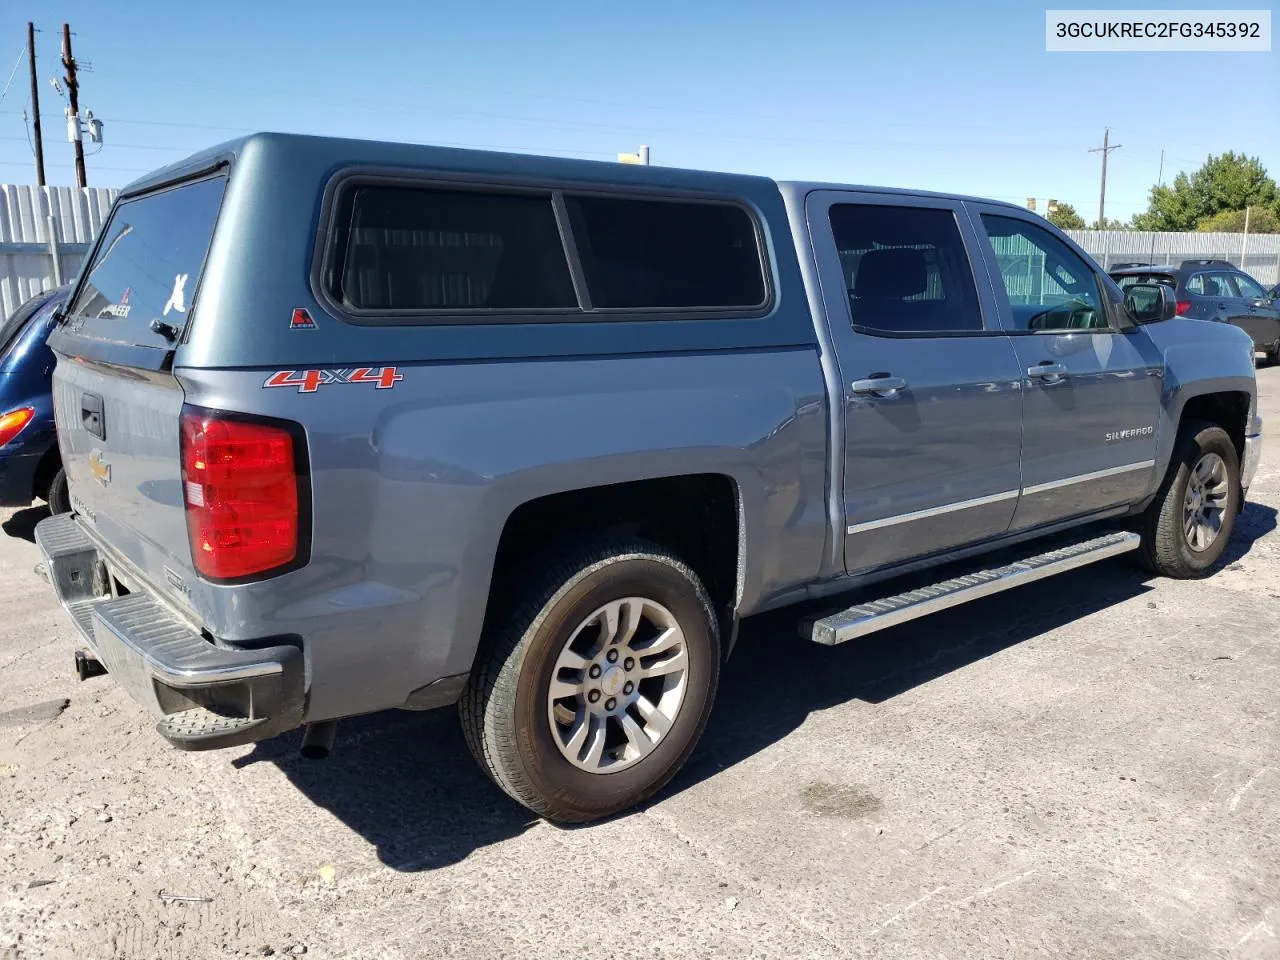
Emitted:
<point x="206" y="696"/>
<point x="865" y="618"/>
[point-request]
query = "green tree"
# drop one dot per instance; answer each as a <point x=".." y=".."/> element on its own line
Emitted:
<point x="1261" y="220"/>
<point x="1227" y="182"/>
<point x="1064" y="217"/>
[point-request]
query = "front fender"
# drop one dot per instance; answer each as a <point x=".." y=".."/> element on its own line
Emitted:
<point x="1201" y="358"/>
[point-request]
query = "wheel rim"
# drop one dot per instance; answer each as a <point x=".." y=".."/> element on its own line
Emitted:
<point x="1205" y="503"/>
<point x="618" y="685"/>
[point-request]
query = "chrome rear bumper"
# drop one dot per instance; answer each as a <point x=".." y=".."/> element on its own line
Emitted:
<point x="206" y="695"/>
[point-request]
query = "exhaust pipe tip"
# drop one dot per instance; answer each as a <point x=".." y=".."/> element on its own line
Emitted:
<point x="317" y="739"/>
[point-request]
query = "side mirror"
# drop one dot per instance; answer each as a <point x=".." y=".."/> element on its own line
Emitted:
<point x="1149" y="303"/>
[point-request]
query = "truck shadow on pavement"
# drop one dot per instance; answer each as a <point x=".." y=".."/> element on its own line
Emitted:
<point x="22" y="525"/>
<point x="407" y="784"/>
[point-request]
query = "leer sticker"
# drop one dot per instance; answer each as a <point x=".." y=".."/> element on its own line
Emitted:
<point x="301" y="320"/>
<point x="309" y="381"/>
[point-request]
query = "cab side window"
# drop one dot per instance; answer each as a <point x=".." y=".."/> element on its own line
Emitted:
<point x="1050" y="287"/>
<point x="905" y="270"/>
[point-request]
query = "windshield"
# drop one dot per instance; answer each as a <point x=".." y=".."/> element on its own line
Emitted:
<point x="148" y="264"/>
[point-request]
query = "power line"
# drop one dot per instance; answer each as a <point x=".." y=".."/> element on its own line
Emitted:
<point x="556" y="97"/>
<point x="157" y="123"/>
<point x="14" y="163"/>
<point x="434" y="143"/>
<point x="12" y="73"/>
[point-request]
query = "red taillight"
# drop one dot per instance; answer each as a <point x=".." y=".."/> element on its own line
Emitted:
<point x="240" y="485"/>
<point x="1183" y="306"/>
<point x="11" y="423"/>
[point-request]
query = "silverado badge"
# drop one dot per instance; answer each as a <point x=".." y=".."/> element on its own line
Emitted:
<point x="100" y="469"/>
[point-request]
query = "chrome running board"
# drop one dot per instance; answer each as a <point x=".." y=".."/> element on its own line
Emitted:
<point x="865" y="618"/>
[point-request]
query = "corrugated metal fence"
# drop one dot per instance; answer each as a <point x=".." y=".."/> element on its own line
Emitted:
<point x="1257" y="254"/>
<point x="44" y="234"/>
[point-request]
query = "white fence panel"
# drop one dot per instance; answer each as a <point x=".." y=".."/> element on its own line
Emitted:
<point x="26" y="255"/>
<point x="1258" y="254"/>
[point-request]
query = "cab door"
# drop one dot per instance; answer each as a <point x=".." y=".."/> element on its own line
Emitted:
<point x="1091" y="399"/>
<point x="931" y="402"/>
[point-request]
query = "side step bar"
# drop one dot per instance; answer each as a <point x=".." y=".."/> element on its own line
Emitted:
<point x="865" y="618"/>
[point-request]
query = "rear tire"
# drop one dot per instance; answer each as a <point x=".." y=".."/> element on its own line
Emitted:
<point x="618" y="722"/>
<point x="58" y="495"/>
<point x="1187" y="526"/>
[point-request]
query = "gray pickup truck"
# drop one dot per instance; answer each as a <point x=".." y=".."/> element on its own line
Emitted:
<point x="357" y="426"/>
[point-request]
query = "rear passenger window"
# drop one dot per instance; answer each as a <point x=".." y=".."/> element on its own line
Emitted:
<point x="905" y="269"/>
<point x="417" y="249"/>
<point x="675" y="255"/>
<point x="1211" y="285"/>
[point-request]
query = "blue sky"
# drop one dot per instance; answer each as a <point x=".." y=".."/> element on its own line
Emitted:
<point x="918" y="94"/>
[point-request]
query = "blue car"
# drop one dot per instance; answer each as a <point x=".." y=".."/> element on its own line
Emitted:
<point x="30" y="464"/>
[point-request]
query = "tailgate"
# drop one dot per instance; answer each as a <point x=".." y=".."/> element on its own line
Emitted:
<point x="116" y="401"/>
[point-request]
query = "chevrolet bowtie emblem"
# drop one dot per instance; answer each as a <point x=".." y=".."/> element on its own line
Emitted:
<point x="100" y="469"/>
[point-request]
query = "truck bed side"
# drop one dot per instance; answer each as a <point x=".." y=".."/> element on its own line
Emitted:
<point x="411" y="495"/>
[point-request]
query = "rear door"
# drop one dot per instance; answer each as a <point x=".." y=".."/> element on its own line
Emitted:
<point x="1092" y="391"/>
<point x="116" y="401"/>
<point x="1260" y="315"/>
<point x="1213" y="297"/>
<point x="931" y="396"/>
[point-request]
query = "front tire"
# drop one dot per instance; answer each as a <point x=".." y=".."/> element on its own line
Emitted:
<point x="1186" y="528"/>
<point x="593" y="693"/>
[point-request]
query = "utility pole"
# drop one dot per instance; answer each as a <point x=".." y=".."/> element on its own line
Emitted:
<point x="73" y="92"/>
<point x="1159" y="183"/>
<point x="35" y="102"/>
<point x="1102" y="199"/>
<point x="1244" y="244"/>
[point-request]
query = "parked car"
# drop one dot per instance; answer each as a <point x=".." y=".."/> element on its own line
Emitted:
<point x="30" y="465"/>
<point x="1215" y="290"/>
<point x="357" y="426"/>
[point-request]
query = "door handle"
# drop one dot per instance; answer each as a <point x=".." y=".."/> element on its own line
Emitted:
<point x="880" y="384"/>
<point x="1048" y="371"/>
<point x="92" y="416"/>
<point x="1222" y="306"/>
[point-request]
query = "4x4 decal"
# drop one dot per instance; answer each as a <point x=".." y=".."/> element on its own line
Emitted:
<point x="309" y="381"/>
